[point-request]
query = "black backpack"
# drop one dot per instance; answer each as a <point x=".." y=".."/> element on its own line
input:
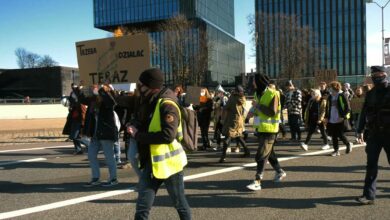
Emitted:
<point x="189" y="123"/>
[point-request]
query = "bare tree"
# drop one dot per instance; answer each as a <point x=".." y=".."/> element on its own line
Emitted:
<point x="187" y="48"/>
<point x="47" y="61"/>
<point x="281" y="41"/>
<point x="32" y="60"/>
<point x="21" y="57"/>
<point x="26" y="59"/>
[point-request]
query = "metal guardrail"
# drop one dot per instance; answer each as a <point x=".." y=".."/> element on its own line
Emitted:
<point x="32" y="101"/>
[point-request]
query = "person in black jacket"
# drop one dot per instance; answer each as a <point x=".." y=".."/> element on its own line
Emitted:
<point x="150" y="87"/>
<point x="204" y="110"/>
<point x="375" y="118"/>
<point x="105" y="134"/>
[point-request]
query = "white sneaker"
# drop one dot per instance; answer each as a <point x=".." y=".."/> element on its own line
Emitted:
<point x="237" y="150"/>
<point x="325" y="147"/>
<point x="228" y="150"/>
<point x="255" y="186"/>
<point x="335" y="154"/>
<point x="304" y="146"/>
<point x="279" y="176"/>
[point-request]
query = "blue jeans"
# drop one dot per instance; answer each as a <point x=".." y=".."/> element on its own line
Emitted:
<point x="117" y="150"/>
<point x="132" y="156"/>
<point x="375" y="143"/>
<point x="148" y="187"/>
<point x="108" y="149"/>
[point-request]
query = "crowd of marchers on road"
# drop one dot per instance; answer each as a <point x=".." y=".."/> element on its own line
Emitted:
<point x="151" y="119"/>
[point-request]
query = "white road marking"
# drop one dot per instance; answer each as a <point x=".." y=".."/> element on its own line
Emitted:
<point x="40" y="148"/>
<point x="64" y="203"/>
<point x="23" y="161"/>
<point x="55" y="205"/>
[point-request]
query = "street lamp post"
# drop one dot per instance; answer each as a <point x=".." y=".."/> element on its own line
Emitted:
<point x="383" y="29"/>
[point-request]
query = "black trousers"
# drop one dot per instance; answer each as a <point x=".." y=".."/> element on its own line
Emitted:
<point x="312" y="128"/>
<point x="265" y="152"/>
<point x="228" y="140"/>
<point x="336" y="131"/>
<point x="374" y="146"/>
<point x="293" y="122"/>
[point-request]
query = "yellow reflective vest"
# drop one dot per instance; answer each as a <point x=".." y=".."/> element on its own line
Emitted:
<point x="167" y="159"/>
<point x="267" y="124"/>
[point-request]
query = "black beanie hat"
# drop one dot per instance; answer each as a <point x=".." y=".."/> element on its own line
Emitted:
<point x="261" y="80"/>
<point x="375" y="69"/>
<point x="152" y="78"/>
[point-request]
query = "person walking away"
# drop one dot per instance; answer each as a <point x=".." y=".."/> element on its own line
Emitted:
<point x="375" y="117"/>
<point x="77" y="117"/>
<point x="131" y="102"/>
<point x="220" y="101"/>
<point x="336" y="117"/>
<point x="314" y="117"/>
<point x="161" y="155"/>
<point x="104" y="137"/>
<point x="356" y="105"/>
<point x="233" y="122"/>
<point x="294" y="110"/>
<point x="268" y="110"/>
<point x="203" y="111"/>
<point x="181" y="95"/>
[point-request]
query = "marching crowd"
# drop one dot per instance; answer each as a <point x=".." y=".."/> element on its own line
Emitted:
<point x="150" y="119"/>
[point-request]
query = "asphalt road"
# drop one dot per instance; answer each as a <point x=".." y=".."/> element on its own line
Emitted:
<point x="49" y="186"/>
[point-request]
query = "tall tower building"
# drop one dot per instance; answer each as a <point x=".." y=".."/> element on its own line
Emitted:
<point x="215" y="17"/>
<point x="340" y="26"/>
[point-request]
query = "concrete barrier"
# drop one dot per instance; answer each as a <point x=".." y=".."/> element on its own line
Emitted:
<point x="33" y="111"/>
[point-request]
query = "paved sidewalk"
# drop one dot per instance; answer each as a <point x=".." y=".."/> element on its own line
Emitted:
<point x="31" y="131"/>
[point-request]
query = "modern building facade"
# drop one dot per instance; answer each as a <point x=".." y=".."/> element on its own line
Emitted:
<point x="46" y="82"/>
<point x="340" y="26"/>
<point x="215" y="17"/>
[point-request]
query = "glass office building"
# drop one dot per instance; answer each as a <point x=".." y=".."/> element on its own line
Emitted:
<point x="216" y="17"/>
<point x="340" y="26"/>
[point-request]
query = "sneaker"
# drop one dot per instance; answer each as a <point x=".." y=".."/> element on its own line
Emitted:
<point x="255" y="186"/>
<point x="304" y="146"/>
<point x="110" y="183"/>
<point x="92" y="183"/>
<point x="279" y="176"/>
<point x="237" y="150"/>
<point x="325" y="147"/>
<point x="125" y="166"/>
<point x="228" y="150"/>
<point x="78" y="152"/>
<point x="335" y="154"/>
<point x="329" y="138"/>
<point x="364" y="201"/>
<point x="349" y="148"/>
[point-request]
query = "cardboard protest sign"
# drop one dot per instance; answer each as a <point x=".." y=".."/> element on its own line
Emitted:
<point x="116" y="59"/>
<point x="192" y="95"/>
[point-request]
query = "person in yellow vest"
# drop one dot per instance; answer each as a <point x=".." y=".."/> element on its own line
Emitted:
<point x="162" y="158"/>
<point x="268" y="111"/>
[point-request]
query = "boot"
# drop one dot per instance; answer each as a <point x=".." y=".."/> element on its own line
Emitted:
<point x="223" y="155"/>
